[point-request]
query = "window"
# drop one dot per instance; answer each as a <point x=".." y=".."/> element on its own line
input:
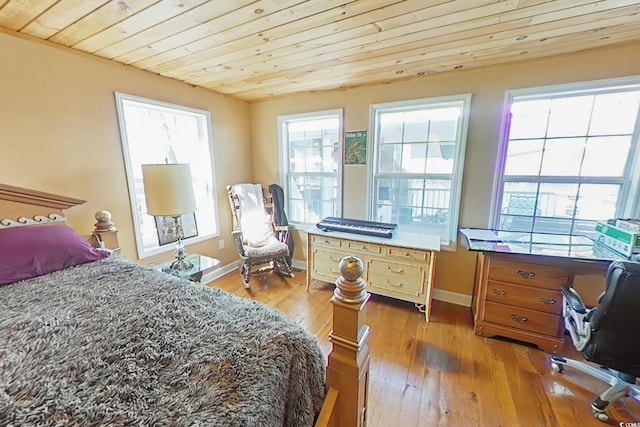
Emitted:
<point x="156" y="132"/>
<point x="417" y="168"/>
<point x="311" y="165"/>
<point x="568" y="157"/>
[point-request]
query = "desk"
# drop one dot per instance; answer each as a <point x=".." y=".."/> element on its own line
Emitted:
<point x="401" y="267"/>
<point x="518" y="276"/>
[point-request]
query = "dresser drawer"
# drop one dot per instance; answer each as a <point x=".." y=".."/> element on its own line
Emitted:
<point x="540" y="299"/>
<point x="395" y="276"/>
<point x="328" y="256"/>
<point x="410" y="254"/>
<point x="539" y="275"/>
<point x="325" y="264"/>
<point x="522" y="318"/>
<point x="399" y="270"/>
<point x="325" y="241"/>
<point x="398" y="285"/>
<point x="360" y="247"/>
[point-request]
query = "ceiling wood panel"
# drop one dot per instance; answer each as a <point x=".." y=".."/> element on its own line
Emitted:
<point x="249" y="54"/>
<point x="255" y="49"/>
<point x="232" y="38"/>
<point x="108" y="15"/>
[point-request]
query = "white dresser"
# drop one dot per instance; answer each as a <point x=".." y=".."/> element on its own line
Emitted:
<point x="401" y="267"/>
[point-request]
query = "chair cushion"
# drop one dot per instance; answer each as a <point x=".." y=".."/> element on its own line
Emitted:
<point x="271" y="248"/>
<point x="256" y="227"/>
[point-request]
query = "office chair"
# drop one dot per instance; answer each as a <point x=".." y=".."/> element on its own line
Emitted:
<point x="254" y="233"/>
<point x="607" y="335"/>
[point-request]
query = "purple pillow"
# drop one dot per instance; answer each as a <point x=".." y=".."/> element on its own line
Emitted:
<point x="31" y="251"/>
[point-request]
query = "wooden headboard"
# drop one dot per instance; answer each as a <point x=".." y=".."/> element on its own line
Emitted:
<point x="21" y="206"/>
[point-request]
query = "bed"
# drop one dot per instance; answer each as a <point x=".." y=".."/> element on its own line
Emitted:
<point x="88" y="337"/>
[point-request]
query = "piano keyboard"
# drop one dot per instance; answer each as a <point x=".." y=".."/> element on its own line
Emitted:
<point x="357" y="226"/>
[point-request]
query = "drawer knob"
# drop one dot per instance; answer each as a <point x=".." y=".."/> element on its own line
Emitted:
<point x="497" y="292"/>
<point x="399" y="270"/>
<point x="326" y="242"/>
<point x="397" y="285"/>
<point x="526" y="274"/>
<point x="364" y="248"/>
<point x="519" y="319"/>
<point x="547" y="301"/>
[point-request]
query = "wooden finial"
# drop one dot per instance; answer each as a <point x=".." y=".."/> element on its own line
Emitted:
<point x="104" y="223"/>
<point x="350" y="287"/>
<point x="105" y="234"/>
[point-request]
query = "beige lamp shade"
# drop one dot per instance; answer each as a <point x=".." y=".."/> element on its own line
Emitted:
<point x="168" y="189"/>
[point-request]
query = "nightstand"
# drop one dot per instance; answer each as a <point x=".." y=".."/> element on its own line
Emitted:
<point x="201" y="265"/>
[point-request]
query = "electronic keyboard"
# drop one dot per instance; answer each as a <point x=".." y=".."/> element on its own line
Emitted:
<point x="357" y="226"/>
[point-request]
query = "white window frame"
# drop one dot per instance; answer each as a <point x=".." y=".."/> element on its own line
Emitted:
<point x="629" y="191"/>
<point x="283" y="147"/>
<point x="449" y="241"/>
<point x="134" y="176"/>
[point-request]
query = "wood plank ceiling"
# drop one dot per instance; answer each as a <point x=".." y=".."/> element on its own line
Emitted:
<point x="255" y="49"/>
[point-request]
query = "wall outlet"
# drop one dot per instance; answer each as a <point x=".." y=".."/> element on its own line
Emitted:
<point x="221" y="244"/>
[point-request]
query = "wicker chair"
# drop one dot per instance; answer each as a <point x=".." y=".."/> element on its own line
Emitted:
<point x="254" y="233"/>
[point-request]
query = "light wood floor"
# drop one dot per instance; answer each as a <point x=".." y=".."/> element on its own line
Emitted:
<point x="439" y="373"/>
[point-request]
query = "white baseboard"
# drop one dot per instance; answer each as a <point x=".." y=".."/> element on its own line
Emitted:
<point x="439" y="294"/>
<point x="299" y="265"/>
<point x="219" y="272"/>
<point x="226" y="269"/>
<point x="452" y="297"/>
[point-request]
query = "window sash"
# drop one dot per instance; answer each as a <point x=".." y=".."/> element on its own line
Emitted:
<point x="318" y="167"/>
<point x="192" y="146"/>
<point x="437" y="211"/>
<point x="623" y="178"/>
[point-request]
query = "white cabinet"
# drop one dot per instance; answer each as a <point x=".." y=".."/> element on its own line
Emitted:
<point x="401" y="267"/>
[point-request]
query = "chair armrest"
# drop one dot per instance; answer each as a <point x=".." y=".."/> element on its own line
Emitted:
<point x="573" y="299"/>
<point x="576" y="317"/>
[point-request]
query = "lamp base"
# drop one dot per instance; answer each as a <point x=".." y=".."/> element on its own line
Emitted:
<point x="181" y="264"/>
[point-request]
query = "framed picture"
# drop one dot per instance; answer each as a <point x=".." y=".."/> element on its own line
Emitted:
<point x="355" y="148"/>
<point x="165" y="225"/>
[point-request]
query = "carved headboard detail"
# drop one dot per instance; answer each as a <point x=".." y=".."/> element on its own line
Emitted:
<point x="21" y="206"/>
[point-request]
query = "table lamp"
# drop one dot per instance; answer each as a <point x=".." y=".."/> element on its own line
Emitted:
<point x="168" y="192"/>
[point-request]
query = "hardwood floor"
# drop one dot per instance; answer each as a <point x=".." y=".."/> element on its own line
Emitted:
<point x="439" y="373"/>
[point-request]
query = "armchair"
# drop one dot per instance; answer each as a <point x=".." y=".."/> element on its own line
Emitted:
<point x="607" y="335"/>
<point x="254" y="233"/>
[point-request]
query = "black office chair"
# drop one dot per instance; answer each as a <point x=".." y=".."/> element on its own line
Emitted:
<point x="608" y="335"/>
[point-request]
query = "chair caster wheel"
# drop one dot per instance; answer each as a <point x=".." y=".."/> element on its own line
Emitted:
<point x="601" y="416"/>
<point x="557" y="367"/>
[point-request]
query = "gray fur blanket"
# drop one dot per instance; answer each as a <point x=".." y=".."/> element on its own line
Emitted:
<point x="113" y="343"/>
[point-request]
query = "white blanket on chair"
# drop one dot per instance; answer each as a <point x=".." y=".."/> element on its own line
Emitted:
<point x="255" y="223"/>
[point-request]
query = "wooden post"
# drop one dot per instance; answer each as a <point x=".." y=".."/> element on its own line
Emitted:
<point x="348" y="362"/>
<point x="105" y="233"/>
